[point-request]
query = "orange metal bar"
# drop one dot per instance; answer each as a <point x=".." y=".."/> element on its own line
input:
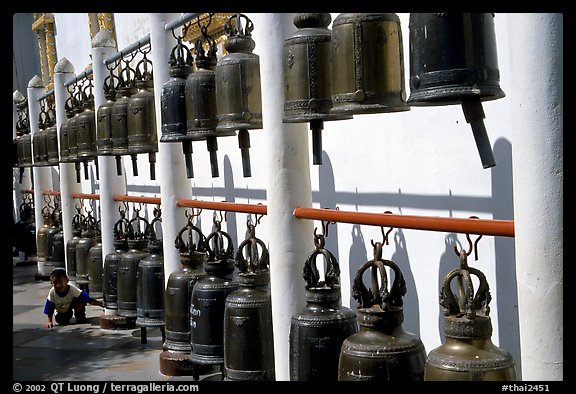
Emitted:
<point x="141" y="199"/>
<point x="86" y="196"/>
<point x="50" y="193"/>
<point x="504" y="228"/>
<point x="257" y="209"/>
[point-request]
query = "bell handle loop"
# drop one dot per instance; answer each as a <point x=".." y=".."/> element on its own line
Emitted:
<point x="364" y="296"/>
<point x="219" y="250"/>
<point x="189" y="228"/>
<point x="311" y="274"/>
<point x="253" y="265"/>
<point x="144" y="63"/>
<point x="471" y="246"/>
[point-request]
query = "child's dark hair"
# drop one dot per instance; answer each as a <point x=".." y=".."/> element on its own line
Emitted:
<point x="58" y="273"/>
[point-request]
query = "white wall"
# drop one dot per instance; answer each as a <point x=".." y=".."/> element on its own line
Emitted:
<point x="420" y="162"/>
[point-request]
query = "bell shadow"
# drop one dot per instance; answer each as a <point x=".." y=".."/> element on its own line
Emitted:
<point x="411" y="305"/>
<point x="230" y="196"/>
<point x="448" y="262"/>
<point x="357" y="256"/>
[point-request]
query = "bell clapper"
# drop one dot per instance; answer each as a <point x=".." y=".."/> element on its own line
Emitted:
<point x="212" y="144"/>
<point x="187" y="150"/>
<point x="244" y="144"/>
<point x="118" y="165"/>
<point x="152" y="161"/>
<point x="134" y="164"/>
<point x="316" y="125"/>
<point x="474" y="115"/>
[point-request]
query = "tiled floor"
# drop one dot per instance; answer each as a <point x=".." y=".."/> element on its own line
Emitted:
<point x="78" y="352"/>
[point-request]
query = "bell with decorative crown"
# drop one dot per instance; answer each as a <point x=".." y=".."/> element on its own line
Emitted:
<point x="308" y="76"/>
<point x="39" y="138"/>
<point x="319" y="329"/>
<point x="173" y="100"/>
<point x="142" y="137"/>
<point x="381" y="350"/>
<point x="453" y="60"/>
<point x="104" y="116"/>
<point x="238" y="90"/>
<point x="200" y="96"/>
<point x="468" y="352"/>
<point x="86" y="130"/>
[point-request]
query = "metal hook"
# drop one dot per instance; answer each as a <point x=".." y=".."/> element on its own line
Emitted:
<point x="470" y="245"/>
<point x="385" y="240"/>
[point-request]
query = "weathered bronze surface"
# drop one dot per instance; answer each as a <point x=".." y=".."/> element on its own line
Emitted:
<point x="367" y="64"/>
<point x="453" y="60"/>
<point x="381" y="350"/>
<point x="468" y="352"/>
<point x="238" y="87"/>
<point x="126" y="88"/>
<point x="248" y="330"/>
<point x="318" y="330"/>
<point x="104" y="117"/>
<point x="96" y="266"/>
<point x="208" y="299"/>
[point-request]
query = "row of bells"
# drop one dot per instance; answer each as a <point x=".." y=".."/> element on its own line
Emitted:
<point x="207" y="305"/>
<point x="355" y="68"/>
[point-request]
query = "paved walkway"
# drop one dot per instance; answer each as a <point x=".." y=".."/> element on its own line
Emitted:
<point x="78" y="352"/>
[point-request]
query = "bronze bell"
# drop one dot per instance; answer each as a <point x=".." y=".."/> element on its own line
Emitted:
<point x="381" y="350"/>
<point x="86" y="130"/>
<point x="83" y="250"/>
<point x="208" y="300"/>
<point x="41" y="235"/>
<point x="238" y="90"/>
<point x="120" y="115"/>
<point x="150" y="282"/>
<point x="367" y="64"/>
<point x="318" y="330"/>
<point x="77" y="225"/>
<point x="248" y="330"/>
<point x="128" y="267"/>
<point x="24" y="143"/>
<point x="173" y="109"/>
<point x="64" y="127"/>
<point x="468" y="353"/>
<point x="200" y="97"/>
<point x="39" y="138"/>
<point x="96" y="265"/>
<point x="142" y="137"/>
<point x="308" y="76"/>
<point x="53" y="158"/>
<point x="58" y="247"/>
<point x="453" y="60"/>
<point x="104" y="116"/>
<point x="51" y="231"/>
<point x="77" y="101"/>
<point x="109" y="285"/>
<point x="25" y="228"/>
<point x="175" y="358"/>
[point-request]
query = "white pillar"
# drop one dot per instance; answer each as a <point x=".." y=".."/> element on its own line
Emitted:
<point x="42" y="177"/>
<point x="64" y="71"/>
<point x="111" y="184"/>
<point x="289" y="184"/>
<point x="537" y="155"/>
<point x="173" y="184"/>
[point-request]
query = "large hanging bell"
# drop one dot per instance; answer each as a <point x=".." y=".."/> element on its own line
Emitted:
<point x="128" y="267"/>
<point x="142" y="136"/>
<point x="319" y="329"/>
<point x="39" y="138"/>
<point x="53" y="158"/>
<point x="381" y="350"/>
<point x="73" y="127"/>
<point x="208" y="300"/>
<point x="86" y="130"/>
<point x="173" y="99"/>
<point x="150" y="282"/>
<point x="453" y="60"/>
<point x="367" y="64"/>
<point x="468" y="352"/>
<point x="200" y="97"/>
<point x="82" y="251"/>
<point x="238" y="90"/>
<point x="64" y="127"/>
<point x="23" y="157"/>
<point x="175" y="358"/>
<point x="104" y="117"/>
<point x="308" y="76"/>
<point x="96" y="265"/>
<point x="120" y="114"/>
<point x="248" y="330"/>
<point x="77" y="225"/>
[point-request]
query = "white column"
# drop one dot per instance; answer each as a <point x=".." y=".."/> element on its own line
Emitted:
<point x="111" y="184"/>
<point x="64" y="71"/>
<point x="288" y="187"/>
<point x="171" y="166"/>
<point x="537" y="155"/>
<point x="42" y="177"/>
